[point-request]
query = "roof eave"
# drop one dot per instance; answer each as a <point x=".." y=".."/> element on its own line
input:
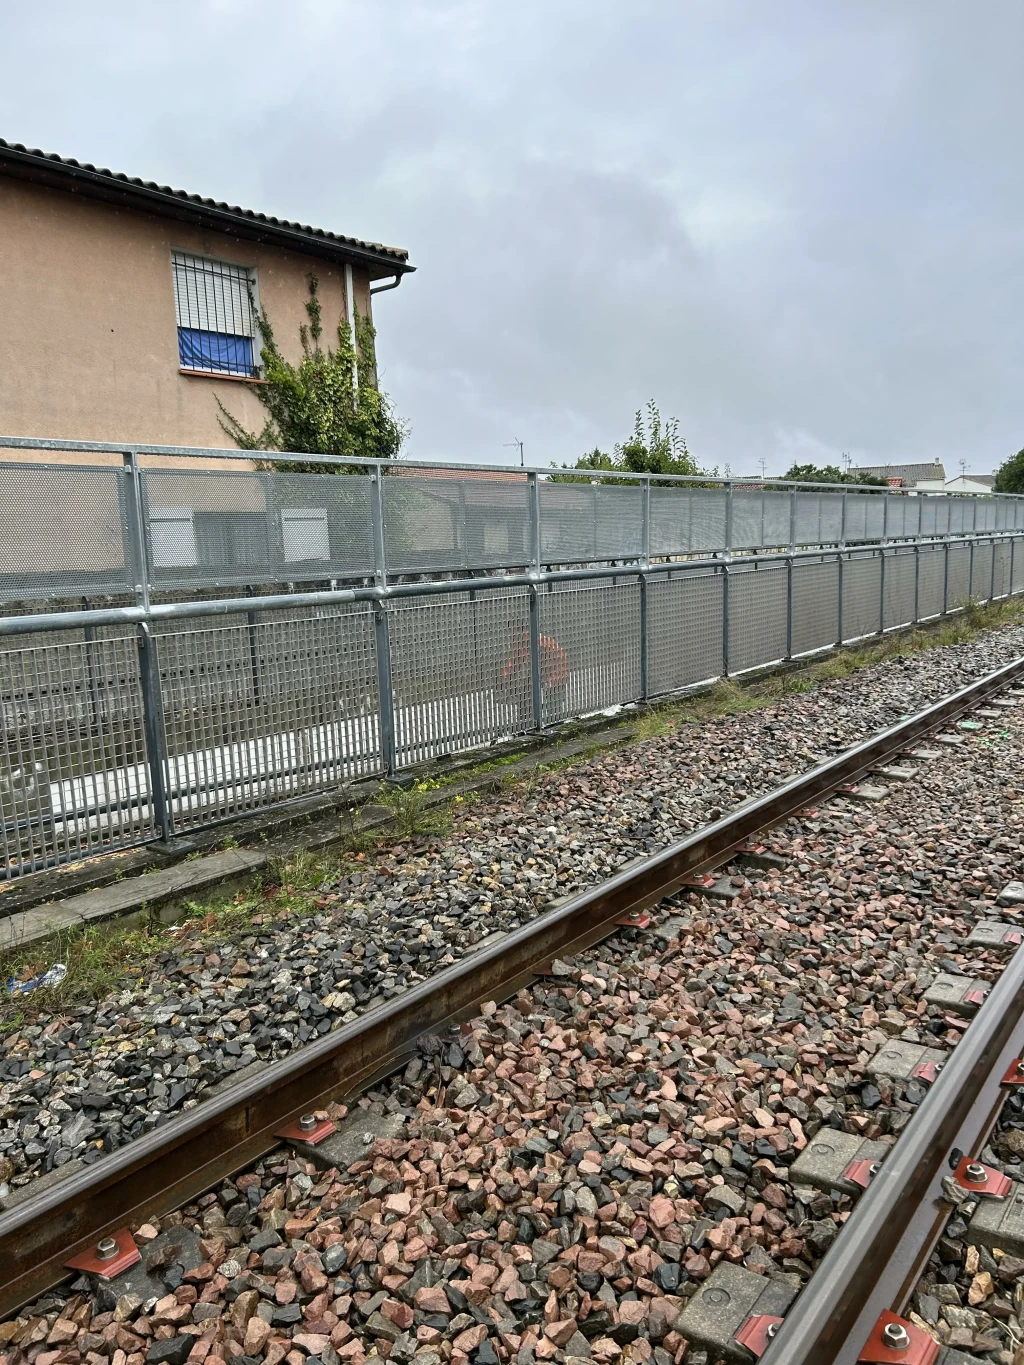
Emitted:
<point x="71" y="179"/>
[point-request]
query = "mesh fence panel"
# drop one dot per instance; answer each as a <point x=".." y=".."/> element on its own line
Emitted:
<point x="73" y="775"/>
<point x="931" y="574"/>
<point x="747" y="519"/>
<point x="819" y="518"/>
<point x="211" y="529"/>
<point x="582" y="523"/>
<point x="1017" y="566"/>
<point x="684" y="630"/>
<point x="815" y="606"/>
<point x="687" y="521"/>
<point x="861" y="596"/>
<point x="63" y="532"/>
<point x="958" y="584"/>
<point x="460" y="670"/>
<point x="899" y="589"/>
<point x="757" y="617"/>
<point x="1001" y="573"/>
<point x="266" y="710"/>
<point x="597" y="628"/>
<point x="981" y="572"/>
<point x="437" y="523"/>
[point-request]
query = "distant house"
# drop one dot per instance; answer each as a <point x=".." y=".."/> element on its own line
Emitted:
<point x="125" y="306"/>
<point x="963" y="483"/>
<point x="903" y="475"/>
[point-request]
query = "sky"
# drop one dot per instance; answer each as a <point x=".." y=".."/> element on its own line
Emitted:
<point x="797" y="227"/>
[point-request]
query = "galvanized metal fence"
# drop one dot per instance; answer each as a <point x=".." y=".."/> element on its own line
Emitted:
<point x="113" y="529"/>
<point x="132" y="724"/>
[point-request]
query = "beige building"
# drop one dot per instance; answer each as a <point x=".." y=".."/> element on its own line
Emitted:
<point x="125" y="307"/>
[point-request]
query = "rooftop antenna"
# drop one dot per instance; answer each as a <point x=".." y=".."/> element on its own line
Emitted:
<point x="516" y="445"/>
<point x="963" y="469"/>
<point x="847" y="460"/>
<point x="763" y="463"/>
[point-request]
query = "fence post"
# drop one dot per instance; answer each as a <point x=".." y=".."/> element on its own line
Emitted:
<point x="839" y="595"/>
<point x="644" y="674"/>
<point x="153" y="724"/>
<point x="137" y="528"/>
<point x="725" y="619"/>
<point x="382" y="628"/>
<point x="789" y="606"/>
<point x="536" y="690"/>
<point x="881" y="592"/>
<point x="945" y="577"/>
<point x="917" y="584"/>
<point x="149" y="664"/>
<point x="533" y="509"/>
<point x="970" y="571"/>
<point x="992" y="585"/>
<point x="645" y="523"/>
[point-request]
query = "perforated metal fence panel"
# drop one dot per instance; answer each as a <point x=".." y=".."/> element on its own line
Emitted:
<point x="958" y="581"/>
<point x="684" y="630"/>
<point x="981" y="573"/>
<point x="460" y="671"/>
<point x="815" y="606"/>
<point x="862" y="596"/>
<point x="467" y="523"/>
<point x="210" y="529"/>
<point x="757" y="617"/>
<point x="1017" y="566"/>
<point x="73" y="777"/>
<point x="63" y="532"/>
<point x="1001" y="572"/>
<point x="597" y="627"/>
<point x="265" y="710"/>
<point x="690" y="521"/>
<point x="899" y="589"/>
<point x="819" y="519"/>
<point x="930" y="583"/>
<point x="581" y="523"/>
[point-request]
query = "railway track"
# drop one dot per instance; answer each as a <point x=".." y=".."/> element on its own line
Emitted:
<point x="872" y="1266"/>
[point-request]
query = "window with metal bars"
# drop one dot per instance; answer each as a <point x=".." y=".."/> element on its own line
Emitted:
<point x="214" y="305"/>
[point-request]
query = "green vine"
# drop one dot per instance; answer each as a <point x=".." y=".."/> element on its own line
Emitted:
<point x="325" y="404"/>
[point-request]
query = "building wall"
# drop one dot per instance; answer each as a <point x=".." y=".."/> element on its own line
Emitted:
<point x="88" y="339"/>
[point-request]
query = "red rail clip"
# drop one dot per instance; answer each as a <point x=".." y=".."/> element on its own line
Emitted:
<point x="111" y="1256"/>
<point x="756" y="849"/>
<point x="757" y="1332"/>
<point x="1014" y="1075"/>
<point x="1014" y="936"/>
<point x="308" y="1128"/>
<point x="925" y="1071"/>
<point x="980" y="1179"/>
<point x="975" y="997"/>
<point x="861" y="1172"/>
<point x="894" y="1341"/>
<point x="640" y="920"/>
<point x="701" y="880"/>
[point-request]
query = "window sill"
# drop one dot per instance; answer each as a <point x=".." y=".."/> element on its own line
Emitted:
<point x="214" y="374"/>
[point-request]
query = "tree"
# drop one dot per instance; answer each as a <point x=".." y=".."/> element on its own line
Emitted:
<point x="1010" y="475"/>
<point x="830" y="473"/>
<point x="655" y="447"/>
<point x="319" y="404"/>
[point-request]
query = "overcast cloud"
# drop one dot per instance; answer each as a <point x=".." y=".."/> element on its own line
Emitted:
<point x="797" y="225"/>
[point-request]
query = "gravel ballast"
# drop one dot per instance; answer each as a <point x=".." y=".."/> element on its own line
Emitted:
<point x="568" y="1168"/>
<point x="103" y="1073"/>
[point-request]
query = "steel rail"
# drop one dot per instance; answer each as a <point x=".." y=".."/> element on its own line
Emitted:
<point x="183" y="1158"/>
<point x="875" y="1261"/>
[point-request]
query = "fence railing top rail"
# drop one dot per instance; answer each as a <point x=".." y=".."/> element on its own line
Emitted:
<point x="37" y="622"/>
<point x="738" y="483"/>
